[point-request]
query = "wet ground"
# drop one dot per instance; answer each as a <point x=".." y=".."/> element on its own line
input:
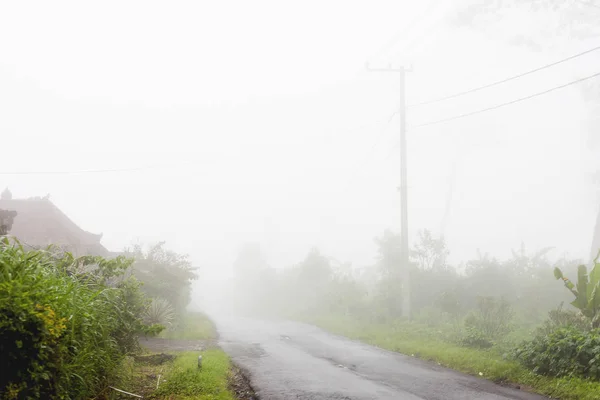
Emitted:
<point x="169" y="345"/>
<point x="289" y="360"/>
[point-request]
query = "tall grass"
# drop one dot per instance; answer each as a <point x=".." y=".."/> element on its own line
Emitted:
<point x="63" y="332"/>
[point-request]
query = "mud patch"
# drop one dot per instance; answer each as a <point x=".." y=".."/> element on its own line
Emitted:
<point x="167" y="345"/>
<point x="512" y="385"/>
<point x="154" y="359"/>
<point x="240" y="384"/>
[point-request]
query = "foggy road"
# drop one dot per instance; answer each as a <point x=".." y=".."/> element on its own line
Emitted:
<point x="289" y="360"/>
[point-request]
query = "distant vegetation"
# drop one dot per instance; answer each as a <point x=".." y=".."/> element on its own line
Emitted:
<point x="66" y="324"/>
<point x="508" y="317"/>
<point x="165" y="275"/>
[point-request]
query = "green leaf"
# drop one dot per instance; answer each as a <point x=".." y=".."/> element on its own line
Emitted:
<point x="582" y="282"/>
<point x="581" y="303"/>
<point x="558" y="273"/>
<point x="594" y="300"/>
<point x="595" y="275"/>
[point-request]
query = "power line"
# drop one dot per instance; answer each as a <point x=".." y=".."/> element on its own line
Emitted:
<point x="88" y="171"/>
<point x="507" y="103"/>
<point x="452" y="96"/>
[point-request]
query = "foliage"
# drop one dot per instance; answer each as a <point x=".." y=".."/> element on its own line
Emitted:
<point x="430" y="253"/>
<point x="567" y="352"/>
<point x="586" y="292"/>
<point x="596" y="239"/>
<point x="388" y="254"/>
<point x="164" y="274"/>
<point x="484" y="308"/>
<point x="473" y="337"/>
<point x="63" y="329"/>
<point x="345" y="295"/>
<point x="314" y="279"/>
<point x="387" y="296"/>
<point x="560" y="318"/>
<point x="449" y="302"/>
<point x="491" y="319"/>
<point x="160" y="312"/>
<point x="433" y="316"/>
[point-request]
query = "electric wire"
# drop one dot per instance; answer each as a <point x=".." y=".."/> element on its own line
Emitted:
<point x="501" y="105"/>
<point x="489" y="85"/>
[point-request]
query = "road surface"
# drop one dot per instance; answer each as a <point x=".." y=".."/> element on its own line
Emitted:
<point x="289" y="360"/>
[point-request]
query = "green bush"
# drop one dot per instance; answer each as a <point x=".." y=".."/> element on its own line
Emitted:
<point x="492" y="318"/>
<point x="433" y="316"/>
<point x="567" y="351"/>
<point x="63" y="328"/>
<point x="476" y="339"/>
<point x="560" y="318"/>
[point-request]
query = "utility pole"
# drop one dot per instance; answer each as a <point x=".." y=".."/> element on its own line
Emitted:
<point x="404" y="259"/>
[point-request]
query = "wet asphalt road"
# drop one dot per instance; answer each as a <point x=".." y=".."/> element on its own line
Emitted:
<point x="289" y="360"/>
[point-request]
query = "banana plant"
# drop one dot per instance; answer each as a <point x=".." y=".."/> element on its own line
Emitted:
<point x="586" y="291"/>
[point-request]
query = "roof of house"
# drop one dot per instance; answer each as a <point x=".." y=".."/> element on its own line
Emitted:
<point x="39" y="222"/>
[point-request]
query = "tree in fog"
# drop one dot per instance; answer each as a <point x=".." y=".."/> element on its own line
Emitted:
<point x="254" y="279"/>
<point x="165" y="274"/>
<point x="389" y="286"/>
<point x="430" y="253"/>
<point x="434" y="283"/>
<point x="347" y="294"/>
<point x="313" y="276"/>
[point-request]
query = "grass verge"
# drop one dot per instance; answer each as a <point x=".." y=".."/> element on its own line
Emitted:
<point x="184" y="380"/>
<point x="175" y="375"/>
<point x="411" y="339"/>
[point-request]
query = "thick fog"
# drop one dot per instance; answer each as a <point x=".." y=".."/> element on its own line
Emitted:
<point x="213" y="124"/>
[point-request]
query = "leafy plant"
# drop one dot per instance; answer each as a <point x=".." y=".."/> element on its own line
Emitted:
<point x="492" y="318"/>
<point x="586" y="292"/>
<point x="560" y="318"/>
<point x="565" y="352"/>
<point x="164" y="274"/>
<point x="475" y="338"/>
<point x="160" y="312"/>
<point x="63" y="329"/>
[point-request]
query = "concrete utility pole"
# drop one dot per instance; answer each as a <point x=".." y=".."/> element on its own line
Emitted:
<point x="404" y="260"/>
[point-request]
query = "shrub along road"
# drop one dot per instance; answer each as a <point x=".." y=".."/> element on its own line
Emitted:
<point x="290" y="360"/>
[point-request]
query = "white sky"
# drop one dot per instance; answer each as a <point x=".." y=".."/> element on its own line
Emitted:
<point x="255" y="121"/>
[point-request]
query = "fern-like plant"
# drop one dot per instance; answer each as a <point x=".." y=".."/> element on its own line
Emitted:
<point x="159" y="312"/>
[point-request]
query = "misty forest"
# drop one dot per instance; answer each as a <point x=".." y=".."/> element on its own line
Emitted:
<point x="275" y="224"/>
